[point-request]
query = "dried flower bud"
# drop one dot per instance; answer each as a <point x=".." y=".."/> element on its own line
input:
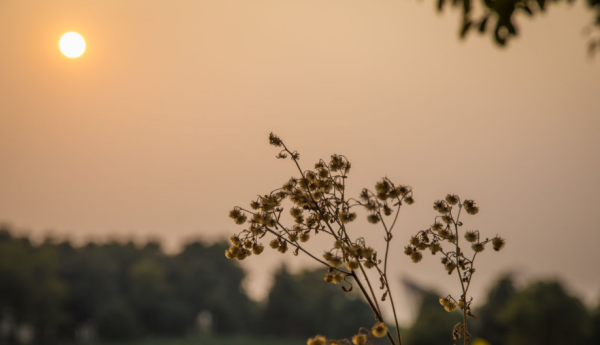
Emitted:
<point x="416" y="256"/>
<point x="498" y="243"/>
<point x="335" y="261"/>
<point x="235" y="240"/>
<point x="369" y="264"/>
<point x="471" y="236"/>
<point x="470" y="207"/>
<point x="379" y="330"/>
<point x="283" y="248"/>
<point x="305" y="237"/>
<point x="346" y="217"/>
<point x="409" y="200"/>
<point x="452" y="199"/>
<point x="337" y="278"/>
<point x="408" y="250"/>
<point x="387" y="210"/>
<point x="295" y="212"/>
<point x="338" y="244"/>
<point x="244" y="253"/>
<point x="444" y="233"/>
<point x="450" y="267"/>
<point x="448" y="304"/>
<point x="382" y="187"/>
<point x="317" y="340"/>
<point x="414" y="240"/>
<point x="441" y="207"/>
<point x="248" y="244"/>
<point x="274" y="140"/>
<point x="257" y="249"/>
<point x="229" y="255"/>
<point x="359" y="339"/>
<point x="274" y="244"/>
<point x="373" y="218"/>
<point x="478" y="247"/>
<point x="435" y="247"/>
<point x="235" y="250"/>
<point x="352" y="265"/>
<point x="437" y="226"/>
<point x="329" y="278"/>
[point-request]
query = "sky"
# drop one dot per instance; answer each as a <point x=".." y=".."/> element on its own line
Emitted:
<point x="161" y="126"/>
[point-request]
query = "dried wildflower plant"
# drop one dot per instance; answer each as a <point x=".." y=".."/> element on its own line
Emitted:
<point x="445" y="230"/>
<point x="321" y="206"/>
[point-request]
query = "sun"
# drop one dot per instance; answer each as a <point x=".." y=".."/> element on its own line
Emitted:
<point x="72" y="44"/>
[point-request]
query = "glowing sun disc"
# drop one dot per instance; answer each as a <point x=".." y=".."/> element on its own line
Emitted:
<point x="72" y="44"/>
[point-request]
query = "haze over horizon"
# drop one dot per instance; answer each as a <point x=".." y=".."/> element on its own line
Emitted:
<point x="161" y="126"/>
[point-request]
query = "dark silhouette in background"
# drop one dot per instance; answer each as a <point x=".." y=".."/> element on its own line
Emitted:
<point x="498" y="17"/>
<point x="56" y="293"/>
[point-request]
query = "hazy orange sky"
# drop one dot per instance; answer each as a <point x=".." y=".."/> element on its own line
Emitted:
<point x="161" y="127"/>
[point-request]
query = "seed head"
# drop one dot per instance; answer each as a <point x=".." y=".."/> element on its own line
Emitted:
<point x="416" y="256"/>
<point x="337" y="278"/>
<point x="450" y="267"/>
<point x="274" y="140"/>
<point x="478" y="247"/>
<point x="229" y="255"/>
<point x="347" y="217"/>
<point x="317" y="340"/>
<point x="471" y="236"/>
<point x="359" y="339"/>
<point x="437" y="226"/>
<point x="498" y="243"/>
<point x="257" y="249"/>
<point x="274" y="244"/>
<point x="335" y="261"/>
<point x="373" y="218"/>
<point x="379" y="330"/>
<point x="448" y="304"/>
<point x="408" y="250"/>
<point x="352" y="265"/>
<point x="470" y="207"/>
<point x="304" y="237"/>
<point x="369" y="264"/>
<point x="435" y="247"/>
<point x="414" y="240"/>
<point x="329" y="278"/>
<point x="452" y="199"/>
<point x="409" y="200"/>
<point x="235" y="240"/>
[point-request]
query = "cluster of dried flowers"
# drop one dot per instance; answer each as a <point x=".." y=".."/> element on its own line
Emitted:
<point x="445" y="229"/>
<point x="320" y="206"/>
<point x="364" y="337"/>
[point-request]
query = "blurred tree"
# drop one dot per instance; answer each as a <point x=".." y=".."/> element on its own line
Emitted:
<point x="489" y="326"/>
<point x="544" y="313"/>
<point x="433" y="324"/>
<point x="596" y="325"/>
<point x="207" y="281"/>
<point x="498" y="16"/>
<point x="31" y="289"/>
<point x="303" y="305"/>
<point x="116" y="320"/>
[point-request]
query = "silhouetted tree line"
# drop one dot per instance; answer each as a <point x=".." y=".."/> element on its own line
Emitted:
<point x="541" y="313"/>
<point x="121" y="290"/>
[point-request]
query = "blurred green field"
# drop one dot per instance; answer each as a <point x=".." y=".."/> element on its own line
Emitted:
<point x="220" y="340"/>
